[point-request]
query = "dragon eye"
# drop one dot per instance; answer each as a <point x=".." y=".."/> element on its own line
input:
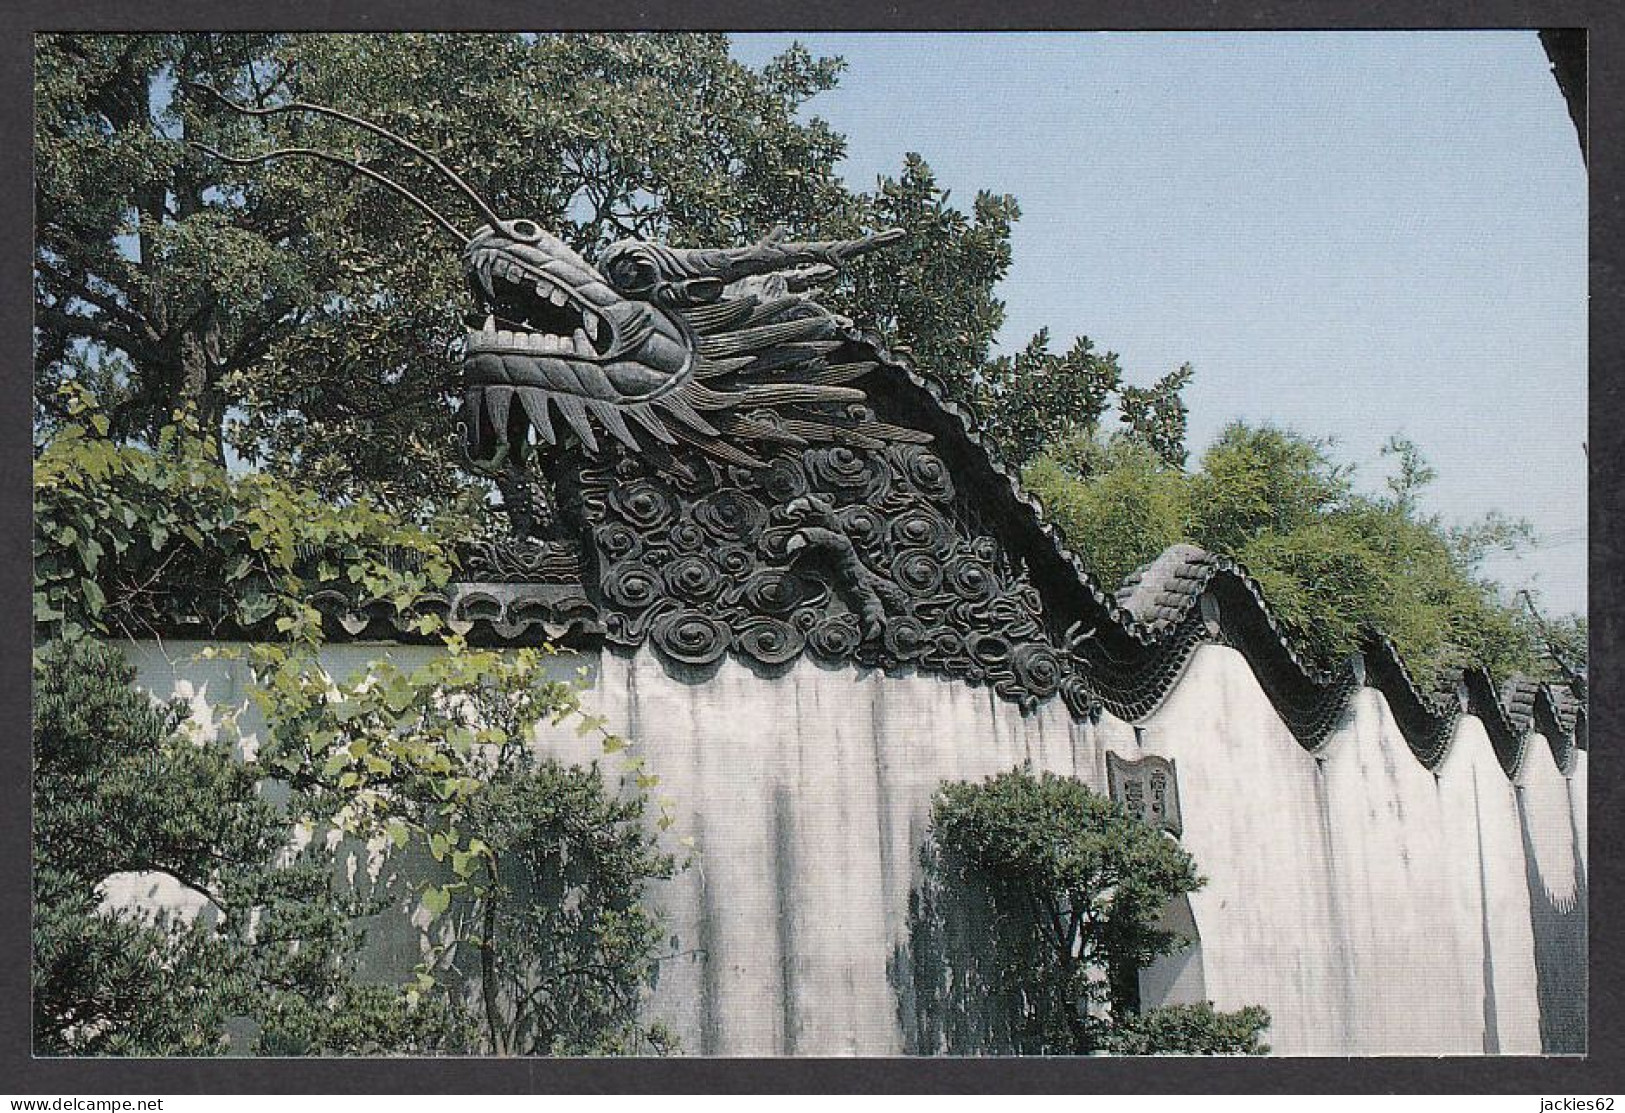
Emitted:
<point x="524" y="229"/>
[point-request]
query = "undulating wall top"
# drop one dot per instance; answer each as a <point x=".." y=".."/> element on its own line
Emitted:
<point x="917" y="552"/>
<point x="696" y="455"/>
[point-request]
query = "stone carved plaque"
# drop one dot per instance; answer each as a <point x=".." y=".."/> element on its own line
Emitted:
<point x="1146" y="789"/>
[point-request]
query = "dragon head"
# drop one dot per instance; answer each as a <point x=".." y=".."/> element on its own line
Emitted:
<point x="628" y="347"/>
<point x="658" y="346"/>
<point x="550" y="331"/>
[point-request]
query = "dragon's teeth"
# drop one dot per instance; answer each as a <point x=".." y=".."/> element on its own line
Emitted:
<point x="590" y="323"/>
<point x="557" y="296"/>
<point x="490" y="325"/>
<point x="504" y="337"/>
<point x="582" y="345"/>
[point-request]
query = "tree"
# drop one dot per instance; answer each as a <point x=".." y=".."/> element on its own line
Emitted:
<point x="1565" y="643"/>
<point x="932" y="295"/>
<point x="140" y="278"/>
<point x="539" y="894"/>
<point x="1156" y="415"/>
<point x="306" y="308"/>
<point x="1075" y="888"/>
<point x="1037" y="397"/>
<point x="119" y="788"/>
<point x="307" y="315"/>
<point x="1337" y="566"/>
<point x="566" y="943"/>
<point x="554" y="858"/>
<point x="1118" y="503"/>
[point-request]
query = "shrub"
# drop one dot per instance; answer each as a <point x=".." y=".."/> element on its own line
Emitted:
<point x="1074" y="888"/>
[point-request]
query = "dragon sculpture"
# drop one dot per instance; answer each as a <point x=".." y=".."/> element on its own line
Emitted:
<point x="695" y="454"/>
<point x="703" y="420"/>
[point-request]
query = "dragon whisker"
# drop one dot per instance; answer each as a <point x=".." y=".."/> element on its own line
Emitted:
<point x="311" y="152"/>
<point x="366" y="125"/>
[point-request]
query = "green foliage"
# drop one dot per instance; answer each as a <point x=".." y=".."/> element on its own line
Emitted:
<point x="542" y="867"/>
<point x="932" y="295"/>
<point x="1337" y="566"/>
<point x="1156" y="415"/>
<point x="1079" y="887"/>
<point x="117" y="788"/>
<point x="103" y="985"/>
<point x="1565" y="642"/>
<point x="1190" y="1030"/>
<point x="1412" y="472"/>
<point x="562" y="934"/>
<point x="307" y="315"/>
<point x="128" y="539"/>
<point x="1037" y="397"/>
<point x="1131" y="507"/>
<point x="1262" y="480"/>
<point x="433" y="760"/>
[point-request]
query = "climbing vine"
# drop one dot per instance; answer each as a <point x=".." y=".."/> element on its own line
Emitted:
<point x="133" y="540"/>
<point x="529" y="873"/>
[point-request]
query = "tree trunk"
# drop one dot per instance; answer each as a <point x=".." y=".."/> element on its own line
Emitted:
<point x="200" y="374"/>
<point x="488" y="978"/>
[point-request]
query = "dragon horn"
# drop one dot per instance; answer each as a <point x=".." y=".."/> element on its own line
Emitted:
<point x="366" y="125"/>
<point x="774" y="254"/>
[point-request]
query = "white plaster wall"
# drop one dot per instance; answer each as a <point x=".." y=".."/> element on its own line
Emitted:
<point x="1554" y="859"/>
<point x="1254" y="815"/>
<point x="808" y="798"/>
<point x="1483" y="843"/>
<point x="1373" y="906"/>
<point x="1577" y="806"/>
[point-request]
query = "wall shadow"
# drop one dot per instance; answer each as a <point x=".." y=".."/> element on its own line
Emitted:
<point x="1560" y="946"/>
<point x="971" y="980"/>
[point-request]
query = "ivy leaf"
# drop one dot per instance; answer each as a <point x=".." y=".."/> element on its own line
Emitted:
<point x="43" y="611"/>
<point x="439" y="844"/>
<point x="436" y="899"/>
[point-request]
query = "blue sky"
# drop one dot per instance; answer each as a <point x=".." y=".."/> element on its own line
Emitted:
<point x="1350" y="234"/>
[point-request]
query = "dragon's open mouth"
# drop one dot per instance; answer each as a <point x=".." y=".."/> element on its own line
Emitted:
<point x="549" y="338"/>
<point x="529" y="311"/>
<point x="685" y="357"/>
